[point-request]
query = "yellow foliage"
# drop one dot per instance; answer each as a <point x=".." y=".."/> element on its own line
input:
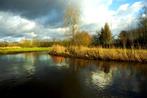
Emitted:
<point x="58" y="49"/>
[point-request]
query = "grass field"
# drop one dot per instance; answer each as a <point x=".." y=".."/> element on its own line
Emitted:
<point x="10" y="50"/>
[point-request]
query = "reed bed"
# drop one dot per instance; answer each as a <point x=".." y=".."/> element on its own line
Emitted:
<point x="117" y="54"/>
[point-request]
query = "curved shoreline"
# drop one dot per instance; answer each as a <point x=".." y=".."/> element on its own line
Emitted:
<point x="94" y="58"/>
<point x="126" y="55"/>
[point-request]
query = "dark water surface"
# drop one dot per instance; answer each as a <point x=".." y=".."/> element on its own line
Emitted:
<point x="41" y="75"/>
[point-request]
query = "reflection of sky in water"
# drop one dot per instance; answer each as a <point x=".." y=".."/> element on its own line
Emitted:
<point x="16" y="66"/>
<point x="62" y="65"/>
<point x="44" y="57"/>
<point x="93" y="76"/>
<point x="101" y="79"/>
<point x="59" y="62"/>
<point x="126" y="79"/>
<point x="121" y="79"/>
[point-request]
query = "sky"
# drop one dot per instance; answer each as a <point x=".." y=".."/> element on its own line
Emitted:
<point x="44" y="19"/>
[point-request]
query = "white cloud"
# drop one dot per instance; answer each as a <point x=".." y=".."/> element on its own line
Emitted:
<point x="98" y="12"/>
<point x="14" y="23"/>
<point x="62" y="30"/>
<point x="95" y="11"/>
<point x="14" y="27"/>
<point x="137" y="5"/>
<point x="124" y="7"/>
<point x="33" y="34"/>
<point x="125" y="16"/>
<point x="28" y="25"/>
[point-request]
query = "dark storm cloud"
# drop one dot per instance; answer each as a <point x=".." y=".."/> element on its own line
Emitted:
<point x="32" y="9"/>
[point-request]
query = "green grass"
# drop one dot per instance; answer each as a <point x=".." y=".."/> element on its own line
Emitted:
<point x="117" y="54"/>
<point x="11" y="50"/>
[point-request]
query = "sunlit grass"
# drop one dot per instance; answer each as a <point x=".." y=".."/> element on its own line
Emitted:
<point x="6" y="50"/>
<point x="101" y="53"/>
<point x="58" y="49"/>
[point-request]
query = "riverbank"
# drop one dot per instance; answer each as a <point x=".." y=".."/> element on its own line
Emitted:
<point x="11" y="50"/>
<point x="115" y="54"/>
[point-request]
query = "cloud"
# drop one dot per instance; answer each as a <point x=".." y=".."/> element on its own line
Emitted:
<point x="44" y="18"/>
<point x="52" y="10"/>
<point x="47" y="12"/>
<point x="125" y="16"/>
<point x="16" y="27"/>
<point x="95" y="11"/>
<point x="137" y="5"/>
<point x="123" y="7"/>
<point x="98" y="12"/>
<point x="31" y="8"/>
<point x="14" y="23"/>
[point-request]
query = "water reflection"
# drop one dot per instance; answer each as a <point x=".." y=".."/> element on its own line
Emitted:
<point x="16" y="66"/>
<point x="116" y="77"/>
<point x="40" y="74"/>
<point x="101" y="80"/>
<point x="60" y="61"/>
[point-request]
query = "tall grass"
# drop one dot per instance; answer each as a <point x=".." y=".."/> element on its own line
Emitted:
<point x="58" y="49"/>
<point x="101" y="53"/>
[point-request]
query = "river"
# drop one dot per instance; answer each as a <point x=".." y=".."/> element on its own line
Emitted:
<point x="44" y="76"/>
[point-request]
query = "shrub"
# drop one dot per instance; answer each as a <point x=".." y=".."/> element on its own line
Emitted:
<point x="58" y="49"/>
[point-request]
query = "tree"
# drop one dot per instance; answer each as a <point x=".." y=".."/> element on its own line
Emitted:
<point x="143" y="18"/>
<point x="102" y="36"/>
<point x="82" y="38"/>
<point x="96" y="39"/>
<point x="106" y="35"/>
<point x="25" y="43"/>
<point x="143" y="26"/>
<point x="123" y="38"/>
<point x="71" y="19"/>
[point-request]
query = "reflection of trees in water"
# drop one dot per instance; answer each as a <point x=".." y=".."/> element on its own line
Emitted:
<point x="70" y="86"/>
<point x="122" y="76"/>
<point x="58" y="59"/>
<point x="77" y="64"/>
<point x="130" y="76"/>
<point x="105" y="66"/>
<point x="140" y="75"/>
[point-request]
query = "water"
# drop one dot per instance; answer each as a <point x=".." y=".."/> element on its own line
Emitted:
<point x="41" y="75"/>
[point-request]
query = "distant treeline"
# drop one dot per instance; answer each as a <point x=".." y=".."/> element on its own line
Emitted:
<point x="28" y="43"/>
<point x="34" y="43"/>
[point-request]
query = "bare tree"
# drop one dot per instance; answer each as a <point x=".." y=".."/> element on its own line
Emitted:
<point x="71" y="20"/>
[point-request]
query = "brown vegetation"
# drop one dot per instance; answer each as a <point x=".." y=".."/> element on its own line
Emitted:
<point x="101" y="53"/>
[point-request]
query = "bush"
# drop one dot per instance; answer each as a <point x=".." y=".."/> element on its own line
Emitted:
<point x="57" y="49"/>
